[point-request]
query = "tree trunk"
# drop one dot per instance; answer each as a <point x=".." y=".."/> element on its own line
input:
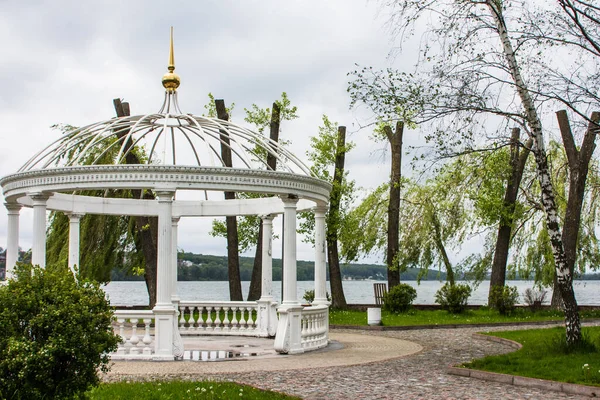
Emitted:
<point x="393" y="228"/>
<point x="563" y="274"/>
<point x="233" y="257"/>
<point x="439" y="243"/>
<point x="146" y="227"/>
<point x="518" y="158"/>
<point x="338" y="298"/>
<point x="255" y="281"/>
<point x="578" y="161"/>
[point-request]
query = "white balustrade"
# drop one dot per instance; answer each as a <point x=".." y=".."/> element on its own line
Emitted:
<point x="130" y="325"/>
<point x="314" y="327"/>
<point x="237" y="318"/>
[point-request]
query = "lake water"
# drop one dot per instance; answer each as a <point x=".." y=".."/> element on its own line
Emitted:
<point x="356" y="292"/>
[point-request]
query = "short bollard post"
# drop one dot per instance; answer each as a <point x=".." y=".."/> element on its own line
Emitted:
<point x="374" y="316"/>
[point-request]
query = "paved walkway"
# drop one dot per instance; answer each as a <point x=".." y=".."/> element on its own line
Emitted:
<point x="369" y="365"/>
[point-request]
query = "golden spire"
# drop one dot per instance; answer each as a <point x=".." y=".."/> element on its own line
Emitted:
<point x="171" y="80"/>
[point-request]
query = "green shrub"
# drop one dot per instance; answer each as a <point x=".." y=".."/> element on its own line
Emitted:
<point x="453" y="298"/>
<point x="309" y="296"/>
<point x="504" y="298"/>
<point x="399" y="298"/>
<point x="55" y="334"/>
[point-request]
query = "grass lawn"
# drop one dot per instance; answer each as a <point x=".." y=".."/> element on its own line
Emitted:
<point x="182" y="390"/>
<point x="543" y="356"/>
<point x="440" y="317"/>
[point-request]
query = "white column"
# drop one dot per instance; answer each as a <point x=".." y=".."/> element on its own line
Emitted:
<point x="267" y="307"/>
<point x="38" y="248"/>
<point x="320" y="272"/>
<point x="266" y="292"/>
<point x="174" y="294"/>
<point x="74" y="230"/>
<point x="165" y="248"/>
<point x="290" y="295"/>
<point x="164" y="312"/>
<point x="12" y="242"/>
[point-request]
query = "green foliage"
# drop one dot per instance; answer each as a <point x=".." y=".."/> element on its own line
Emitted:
<point x="533" y="257"/>
<point x="248" y="226"/>
<point x="390" y="95"/>
<point x="504" y="299"/>
<point x="309" y="296"/>
<point x="107" y="242"/>
<point x="183" y="390"/>
<point x="399" y="298"/>
<point x="55" y="333"/>
<point x="545" y="355"/>
<point x="453" y="298"/>
<point x="211" y="108"/>
<point x="365" y="226"/>
<point x="322" y="154"/>
<point x="261" y="117"/>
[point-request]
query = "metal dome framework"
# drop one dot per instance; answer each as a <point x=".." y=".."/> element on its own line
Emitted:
<point x="166" y="134"/>
<point x="179" y="152"/>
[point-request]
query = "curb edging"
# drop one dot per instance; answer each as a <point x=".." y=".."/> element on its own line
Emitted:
<point x="516" y="380"/>
<point x="451" y="326"/>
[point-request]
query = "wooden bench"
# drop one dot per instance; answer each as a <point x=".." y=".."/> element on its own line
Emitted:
<point x="380" y="290"/>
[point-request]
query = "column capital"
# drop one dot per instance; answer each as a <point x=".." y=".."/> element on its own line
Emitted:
<point x="320" y="210"/>
<point x="268" y="218"/>
<point x="165" y="195"/>
<point x="289" y="200"/>
<point x="74" y="216"/>
<point x="175" y="220"/>
<point x="13" y="208"/>
<point x="39" y="198"/>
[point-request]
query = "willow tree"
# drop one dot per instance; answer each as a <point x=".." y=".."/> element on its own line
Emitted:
<point x="107" y="242"/>
<point x="436" y="217"/>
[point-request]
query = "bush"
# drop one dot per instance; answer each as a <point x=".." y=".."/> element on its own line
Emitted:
<point x="534" y="298"/>
<point x="453" y="298"/>
<point x="399" y="298"/>
<point x="504" y="298"/>
<point x="309" y="296"/>
<point x="55" y="334"/>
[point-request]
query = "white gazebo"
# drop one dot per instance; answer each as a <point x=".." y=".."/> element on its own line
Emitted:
<point x="183" y="154"/>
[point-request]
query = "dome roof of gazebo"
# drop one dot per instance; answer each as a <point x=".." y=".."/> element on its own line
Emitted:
<point x="168" y="137"/>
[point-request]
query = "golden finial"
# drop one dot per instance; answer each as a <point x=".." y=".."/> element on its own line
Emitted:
<point x="171" y="80"/>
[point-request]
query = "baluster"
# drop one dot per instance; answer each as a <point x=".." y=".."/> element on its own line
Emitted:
<point x="121" y="349"/>
<point x="243" y="320"/>
<point x="208" y="319"/>
<point x="226" y="320"/>
<point x="147" y="340"/>
<point x="234" y="319"/>
<point x="134" y="339"/>
<point x="250" y="321"/>
<point x="192" y="320"/>
<point x="217" y="319"/>
<point x="182" y="318"/>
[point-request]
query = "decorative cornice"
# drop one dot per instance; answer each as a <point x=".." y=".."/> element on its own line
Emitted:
<point x="161" y="176"/>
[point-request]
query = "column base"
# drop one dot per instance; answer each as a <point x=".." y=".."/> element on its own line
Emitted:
<point x="288" y="339"/>
<point x="164" y="332"/>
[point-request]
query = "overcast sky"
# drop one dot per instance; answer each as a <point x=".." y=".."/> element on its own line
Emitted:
<point x="64" y="62"/>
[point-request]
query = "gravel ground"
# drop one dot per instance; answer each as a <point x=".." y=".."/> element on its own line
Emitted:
<point x="377" y="373"/>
